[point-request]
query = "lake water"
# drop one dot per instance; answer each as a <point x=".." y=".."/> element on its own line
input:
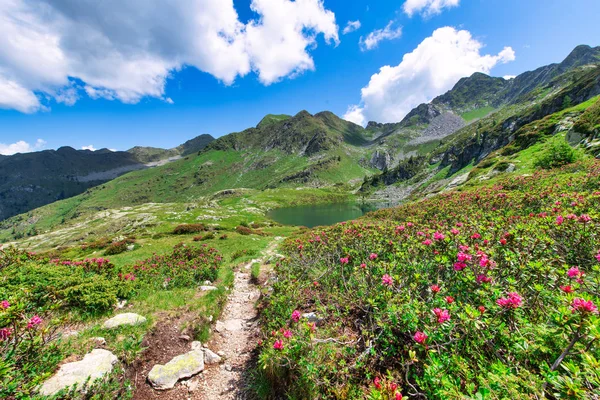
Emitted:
<point x="322" y="214"/>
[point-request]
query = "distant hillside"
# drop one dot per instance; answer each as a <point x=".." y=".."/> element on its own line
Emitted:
<point x="482" y="126"/>
<point x="31" y="180"/>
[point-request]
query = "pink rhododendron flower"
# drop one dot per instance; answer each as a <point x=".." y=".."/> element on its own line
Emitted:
<point x="435" y="288"/>
<point x="584" y="306"/>
<point x="462" y="257"/>
<point x="454" y="231"/>
<point x="463" y="248"/>
<point x="438" y="236"/>
<point x="5" y="334"/>
<point x="503" y="241"/>
<point x="278" y="345"/>
<point x="513" y="300"/>
<point x="373" y="256"/>
<point x="363" y="265"/>
<point x="442" y="315"/>
<point x="420" y="337"/>
<point x="398" y="396"/>
<point x="296" y="316"/>
<point x="287" y="334"/>
<point x="574" y="272"/>
<point x="377" y="383"/>
<point x="449" y="299"/>
<point x="387" y="280"/>
<point x="344" y="260"/>
<point x="459" y="266"/>
<point x="427" y="242"/>
<point x="476" y="236"/>
<point x="4" y="304"/>
<point x="481" y="309"/>
<point x="483" y="279"/>
<point x="584" y="218"/>
<point x="559" y="220"/>
<point x="34" y="321"/>
<point x="598" y="256"/>
<point x="567" y="289"/>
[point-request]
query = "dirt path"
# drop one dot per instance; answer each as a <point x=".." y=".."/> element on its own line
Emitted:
<point x="235" y="338"/>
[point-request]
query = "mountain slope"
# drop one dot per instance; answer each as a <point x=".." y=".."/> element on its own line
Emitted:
<point x="31" y="180"/>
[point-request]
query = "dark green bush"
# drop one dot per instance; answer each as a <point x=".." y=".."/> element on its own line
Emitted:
<point x="558" y="154"/>
<point x="188" y="228"/>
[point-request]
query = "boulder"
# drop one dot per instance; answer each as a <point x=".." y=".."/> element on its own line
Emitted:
<point x="164" y="377"/>
<point x="94" y="365"/>
<point x="124" y="319"/>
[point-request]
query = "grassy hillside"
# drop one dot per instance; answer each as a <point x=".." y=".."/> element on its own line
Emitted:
<point x="487" y="292"/>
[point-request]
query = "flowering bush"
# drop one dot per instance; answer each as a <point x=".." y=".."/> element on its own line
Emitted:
<point x="472" y="293"/>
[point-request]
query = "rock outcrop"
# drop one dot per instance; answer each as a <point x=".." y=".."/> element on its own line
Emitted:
<point x="94" y="365"/>
<point x="164" y="377"/>
<point x="124" y="319"/>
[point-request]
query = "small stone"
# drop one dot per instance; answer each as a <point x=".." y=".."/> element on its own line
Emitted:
<point x="94" y="365"/>
<point x="207" y="288"/>
<point x="124" y="319"/>
<point x="219" y="327"/>
<point x="311" y="317"/>
<point x="98" y="341"/>
<point x="185" y="337"/>
<point x="207" y="282"/>
<point x="163" y="377"/>
<point x="221" y="353"/>
<point x="196" y="345"/>
<point x="121" y="304"/>
<point x="228" y="367"/>
<point x="130" y="247"/>
<point x="210" y="357"/>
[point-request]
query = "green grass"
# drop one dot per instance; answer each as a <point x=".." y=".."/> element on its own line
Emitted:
<point x="477" y="113"/>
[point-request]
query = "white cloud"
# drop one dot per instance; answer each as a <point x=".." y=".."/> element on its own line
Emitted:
<point x="509" y="77"/>
<point x="90" y="148"/>
<point x="437" y="63"/>
<point x="125" y="50"/>
<point x="388" y="33"/>
<point x="351" y="26"/>
<point x="21" y="147"/>
<point x="427" y="7"/>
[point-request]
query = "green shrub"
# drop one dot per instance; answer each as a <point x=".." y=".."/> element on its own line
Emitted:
<point x="559" y="153"/>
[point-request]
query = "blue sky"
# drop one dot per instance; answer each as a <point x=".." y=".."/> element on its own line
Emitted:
<point x="193" y="102"/>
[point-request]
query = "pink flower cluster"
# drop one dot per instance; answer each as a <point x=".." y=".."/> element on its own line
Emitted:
<point x="4" y="304"/>
<point x="513" y="300"/>
<point x="442" y="315"/>
<point x="584" y="306"/>
<point x="34" y="321"/>
<point x="5" y="334"/>
<point x="420" y="337"/>
<point x="387" y="280"/>
<point x="296" y="316"/>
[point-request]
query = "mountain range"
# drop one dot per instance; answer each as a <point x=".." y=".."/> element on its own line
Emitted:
<point x="437" y="146"/>
<point x="31" y="180"/>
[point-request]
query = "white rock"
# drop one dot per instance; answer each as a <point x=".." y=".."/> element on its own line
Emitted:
<point x="98" y="341"/>
<point x="163" y="377"/>
<point x="121" y="304"/>
<point x="196" y="345"/>
<point x="207" y="288"/>
<point x="311" y="317"/>
<point x="124" y="319"/>
<point x="94" y="365"/>
<point x="210" y="357"/>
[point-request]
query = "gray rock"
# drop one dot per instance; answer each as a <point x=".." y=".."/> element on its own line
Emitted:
<point x="163" y="377"/>
<point x="211" y="358"/>
<point x="124" y="319"/>
<point x="196" y="345"/>
<point x="94" y="366"/>
<point x="311" y="317"/>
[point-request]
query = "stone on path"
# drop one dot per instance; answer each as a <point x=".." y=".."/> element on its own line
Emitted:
<point x="207" y="288"/>
<point x="210" y="357"/>
<point x="124" y="319"/>
<point x="94" y="365"/>
<point x="183" y="366"/>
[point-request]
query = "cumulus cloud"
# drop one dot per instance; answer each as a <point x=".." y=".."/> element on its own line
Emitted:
<point x="509" y="77"/>
<point x="437" y="63"/>
<point x="427" y="7"/>
<point x="127" y="49"/>
<point x="388" y="33"/>
<point x="351" y="26"/>
<point x="90" y="147"/>
<point x="21" y="147"/>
